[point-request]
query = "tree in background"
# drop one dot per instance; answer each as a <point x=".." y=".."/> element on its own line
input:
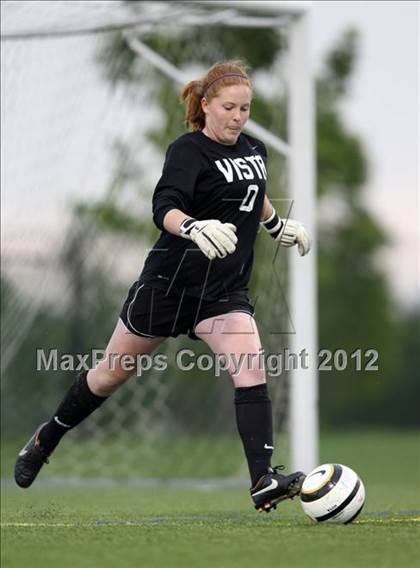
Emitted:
<point x="355" y="307"/>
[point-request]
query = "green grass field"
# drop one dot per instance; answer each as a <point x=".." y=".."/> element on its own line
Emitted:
<point x="104" y="527"/>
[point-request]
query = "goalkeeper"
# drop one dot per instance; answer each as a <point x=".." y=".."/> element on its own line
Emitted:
<point x="208" y="203"/>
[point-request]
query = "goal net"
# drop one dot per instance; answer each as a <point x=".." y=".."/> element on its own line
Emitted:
<point x="90" y="100"/>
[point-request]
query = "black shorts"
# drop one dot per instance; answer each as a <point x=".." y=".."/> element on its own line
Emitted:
<point x="151" y="312"/>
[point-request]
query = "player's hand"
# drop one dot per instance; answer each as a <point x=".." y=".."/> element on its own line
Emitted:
<point x="288" y="232"/>
<point x="294" y="233"/>
<point x="213" y="238"/>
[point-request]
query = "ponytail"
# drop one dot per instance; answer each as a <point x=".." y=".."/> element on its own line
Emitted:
<point x="191" y="95"/>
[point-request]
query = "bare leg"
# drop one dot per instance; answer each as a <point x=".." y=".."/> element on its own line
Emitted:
<point x="109" y="374"/>
<point x="235" y="334"/>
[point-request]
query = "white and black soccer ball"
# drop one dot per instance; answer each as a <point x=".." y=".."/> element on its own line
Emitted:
<point x="332" y="493"/>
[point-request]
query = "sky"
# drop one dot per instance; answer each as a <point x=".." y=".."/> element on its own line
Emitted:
<point x="382" y="107"/>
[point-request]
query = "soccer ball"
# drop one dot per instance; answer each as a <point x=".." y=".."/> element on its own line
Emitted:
<point x="332" y="493"/>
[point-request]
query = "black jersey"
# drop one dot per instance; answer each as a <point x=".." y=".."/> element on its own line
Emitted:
<point x="207" y="180"/>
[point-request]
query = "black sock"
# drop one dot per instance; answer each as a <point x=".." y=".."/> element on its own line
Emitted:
<point x="78" y="403"/>
<point x="255" y="426"/>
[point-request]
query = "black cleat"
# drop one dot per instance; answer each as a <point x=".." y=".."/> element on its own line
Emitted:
<point x="30" y="460"/>
<point x="274" y="487"/>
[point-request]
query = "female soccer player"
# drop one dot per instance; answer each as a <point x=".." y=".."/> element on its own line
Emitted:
<point x="208" y="203"/>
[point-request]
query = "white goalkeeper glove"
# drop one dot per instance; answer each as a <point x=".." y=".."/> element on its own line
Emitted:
<point x="288" y="232"/>
<point x="212" y="237"/>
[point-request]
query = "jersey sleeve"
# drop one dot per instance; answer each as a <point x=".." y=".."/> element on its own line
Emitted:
<point x="175" y="189"/>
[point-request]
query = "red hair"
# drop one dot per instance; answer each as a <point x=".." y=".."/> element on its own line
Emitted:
<point x="218" y="76"/>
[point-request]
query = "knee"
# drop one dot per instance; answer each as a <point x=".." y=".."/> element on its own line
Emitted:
<point x="248" y="377"/>
<point x="104" y="381"/>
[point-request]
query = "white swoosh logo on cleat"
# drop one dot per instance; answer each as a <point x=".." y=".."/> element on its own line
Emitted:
<point x="23" y="452"/>
<point x="61" y="423"/>
<point x="267" y="447"/>
<point x="273" y="485"/>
